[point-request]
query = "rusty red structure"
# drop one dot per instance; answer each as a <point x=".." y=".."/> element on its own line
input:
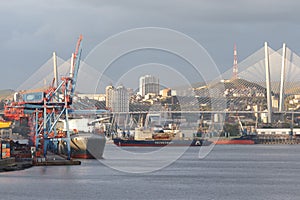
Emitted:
<point x="43" y="109"/>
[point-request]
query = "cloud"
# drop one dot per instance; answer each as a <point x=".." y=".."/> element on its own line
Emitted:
<point x="32" y="29"/>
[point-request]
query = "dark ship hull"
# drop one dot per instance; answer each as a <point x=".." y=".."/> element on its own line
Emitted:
<point x="160" y="143"/>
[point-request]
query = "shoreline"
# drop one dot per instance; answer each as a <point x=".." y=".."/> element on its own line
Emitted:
<point x="10" y="164"/>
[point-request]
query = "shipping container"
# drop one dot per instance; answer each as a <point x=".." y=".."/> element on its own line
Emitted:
<point x="5" y="150"/>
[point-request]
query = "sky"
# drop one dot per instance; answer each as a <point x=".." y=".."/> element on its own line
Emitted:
<point x="32" y="29"/>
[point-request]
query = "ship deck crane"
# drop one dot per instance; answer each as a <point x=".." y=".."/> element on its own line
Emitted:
<point x="244" y="131"/>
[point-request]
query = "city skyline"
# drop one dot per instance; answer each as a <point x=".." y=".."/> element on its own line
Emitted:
<point x="30" y="34"/>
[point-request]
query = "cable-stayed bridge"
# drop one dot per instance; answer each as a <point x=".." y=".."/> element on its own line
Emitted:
<point x="248" y="93"/>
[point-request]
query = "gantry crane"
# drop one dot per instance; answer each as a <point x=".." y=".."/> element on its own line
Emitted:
<point x="45" y="108"/>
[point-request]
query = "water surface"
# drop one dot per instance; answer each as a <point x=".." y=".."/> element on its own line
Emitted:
<point x="228" y="172"/>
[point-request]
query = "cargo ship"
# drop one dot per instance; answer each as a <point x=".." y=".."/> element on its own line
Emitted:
<point x="240" y="140"/>
<point x="88" y="139"/>
<point x="87" y="145"/>
<point x="233" y="141"/>
<point x="161" y="143"/>
<point x="158" y="131"/>
<point x="149" y="138"/>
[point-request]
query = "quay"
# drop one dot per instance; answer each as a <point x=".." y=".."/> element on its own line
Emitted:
<point x="259" y="139"/>
<point x="273" y="139"/>
<point x="10" y="164"/>
<point x="54" y="160"/>
<point x="13" y="164"/>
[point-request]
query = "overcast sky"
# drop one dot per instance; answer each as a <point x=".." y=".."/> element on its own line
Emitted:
<point x="32" y="29"/>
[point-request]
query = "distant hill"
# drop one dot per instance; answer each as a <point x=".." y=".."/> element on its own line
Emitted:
<point x="4" y="94"/>
<point x="229" y="84"/>
<point x="242" y="83"/>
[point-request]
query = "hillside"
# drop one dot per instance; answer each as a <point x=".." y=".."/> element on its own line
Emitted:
<point x="4" y="94"/>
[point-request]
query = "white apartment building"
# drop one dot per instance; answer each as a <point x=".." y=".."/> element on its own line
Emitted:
<point x="148" y="84"/>
<point x="117" y="99"/>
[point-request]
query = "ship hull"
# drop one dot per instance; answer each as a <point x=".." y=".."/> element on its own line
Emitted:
<point x="161" y="143"/>
<point x="249" y="142"/>
<point x="87" y="146"/>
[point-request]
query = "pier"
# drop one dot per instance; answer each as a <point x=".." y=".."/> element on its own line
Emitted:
<point x="273" y="139"/>
<point x="10" y="164"/>
<point x="54" y="160"/>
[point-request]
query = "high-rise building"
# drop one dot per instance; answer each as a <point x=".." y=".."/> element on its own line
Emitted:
<point x="108" y="96"/>
<point x="149" y="84"/>
<point x="120" y="100"/>
<point x="117" y="99"/>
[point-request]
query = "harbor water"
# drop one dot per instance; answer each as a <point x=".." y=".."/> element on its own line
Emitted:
<point x="227" y="172"/>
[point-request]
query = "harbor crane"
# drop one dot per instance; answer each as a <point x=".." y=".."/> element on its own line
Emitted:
<point x="45" y="108"/>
